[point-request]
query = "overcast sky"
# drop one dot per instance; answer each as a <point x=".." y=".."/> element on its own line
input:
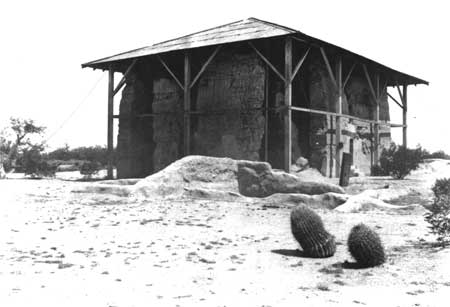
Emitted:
<point x="43" y="44"/>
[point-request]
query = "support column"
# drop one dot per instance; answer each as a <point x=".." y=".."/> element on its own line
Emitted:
<point x="338" y="118"/>
<point x="110" y="141"/>
<point x="377" y="120"/>
<point x="405" y="111"/>
<point x="287" y="104"/>
<point x="187" y="104"/>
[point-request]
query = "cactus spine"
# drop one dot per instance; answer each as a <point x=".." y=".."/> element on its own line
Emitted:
<point x="307" y="228"/>
<point x="365" y="246"/>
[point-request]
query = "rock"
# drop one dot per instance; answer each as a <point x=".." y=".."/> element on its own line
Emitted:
<point x="362" y="202"/>
<point x="257" y="179"/>
<point x="198" y="172"/>
<point x="327" y="200"/>
<point x="302" y="163"/>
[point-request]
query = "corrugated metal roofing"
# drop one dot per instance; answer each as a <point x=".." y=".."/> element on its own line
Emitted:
<point x="242" y="30"/>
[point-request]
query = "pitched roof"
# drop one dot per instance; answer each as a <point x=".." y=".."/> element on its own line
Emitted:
<point x="243" y="30"/>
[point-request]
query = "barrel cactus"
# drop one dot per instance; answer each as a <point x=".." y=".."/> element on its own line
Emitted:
<point x="365" y="246"/>
<point x="307" y="228"/>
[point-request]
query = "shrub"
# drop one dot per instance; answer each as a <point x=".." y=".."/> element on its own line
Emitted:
<point x="365" y="246"/>
<point x="399" y="161"/>
<point x="93" y="154"/>
<point x="377" y="170"/>
<point x="307" y="228"/>
<point x="439" y="212"/>
<point x="440" y="154"/>
<point x="33" y="163"/>
<point x="89" y="168"/>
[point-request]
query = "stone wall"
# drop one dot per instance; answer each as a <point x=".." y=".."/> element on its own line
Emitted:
<point x="168" y="127"/>
<point x="232" y="86"/>
<point x="134" y="142"/>
<point x="356" y="136"/>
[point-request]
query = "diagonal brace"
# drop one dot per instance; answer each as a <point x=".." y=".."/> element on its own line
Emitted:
<point x="327" y="64"/>
<point x="349" y="75"/>
<point x="369" y="81"/>
<point x="299" y="65"/>
<point x="267" y="62"/>
<point x="211" y="57"/>
<point x="395" y="100"/>
<point x="125" y="75"/>
<point x="170" y="72"/>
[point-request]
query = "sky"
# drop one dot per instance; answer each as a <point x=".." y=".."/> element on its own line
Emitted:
<point x="44" y="43"/>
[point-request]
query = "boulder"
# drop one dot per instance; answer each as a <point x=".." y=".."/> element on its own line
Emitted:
<point x="258" y="179"/>
<point x="198" y="172"/>
<point x="302" y="163"/>
<point x="326" y="201"/>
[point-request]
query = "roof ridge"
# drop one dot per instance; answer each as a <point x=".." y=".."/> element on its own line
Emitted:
<point x="198" y="32"/>
<point x="273" y="24"/>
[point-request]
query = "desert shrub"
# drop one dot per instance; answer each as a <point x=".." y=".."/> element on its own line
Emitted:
<point x="377" y="170"/>
<point x="91" y="153"/>
<point x="399" y="161"/>
<point x="33" y="163"/>
<point x="440" y="154"/>
<point x="439" y="212"/>
<point x="89" y="168"/>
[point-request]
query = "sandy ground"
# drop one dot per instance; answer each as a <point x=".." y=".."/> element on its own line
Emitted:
<point x="60" y="248"/>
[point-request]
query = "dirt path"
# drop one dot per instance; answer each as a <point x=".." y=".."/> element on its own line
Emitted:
<point x="65" y="249"/>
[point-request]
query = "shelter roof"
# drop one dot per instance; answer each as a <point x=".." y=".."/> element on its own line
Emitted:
<point x="243" y="30"/>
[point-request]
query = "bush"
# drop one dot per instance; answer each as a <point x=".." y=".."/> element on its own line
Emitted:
<point x="89" y="168"/>
<point x="33" y="163"/>
<point x="399" y="161"/>
<point x="440" y="154"/>
<point x="376" y="170"/>
<point x="439" y="211"/>
<point x="93" y="154"/>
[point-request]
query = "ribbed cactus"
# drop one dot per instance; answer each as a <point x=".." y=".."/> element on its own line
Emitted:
<point x="365" y="246"/>
<point x="307" y="228"/>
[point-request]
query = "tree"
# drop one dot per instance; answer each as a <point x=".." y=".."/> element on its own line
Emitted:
<point x="17" y="137"/>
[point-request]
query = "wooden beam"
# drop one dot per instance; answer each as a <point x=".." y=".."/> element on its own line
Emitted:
<point x="395" y="100"/>
<point x="187" y="104"/>
<point x="208" y="61"/>
<point x="110" y="140"/>
<point x="327" y="64"/>
<point x="299" y="64"/>
<point x="349" y="75"/>
<point x="287" y="104"/>
<point x="125" y="75"/>
<point x="267" y="61"/>
<point x="405" y="115"/>
<point x="170" y="72"/>
<point x="369" y="81"/>
<point x="338" y="118"/>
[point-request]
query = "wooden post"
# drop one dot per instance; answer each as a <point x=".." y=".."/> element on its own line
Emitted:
<point x="266" y="113"/>
<point x="377" y="120"/>
<point x="187" y="104"/>
<point x="338" y="118"/>
<point x="344" y="177"/>
<point x="110" y="141"/>
<point x="405" y="111"/>
<point x="287" y="104"/>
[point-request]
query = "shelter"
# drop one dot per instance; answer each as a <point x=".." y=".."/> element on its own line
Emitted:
<point x="251" y="90"/>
